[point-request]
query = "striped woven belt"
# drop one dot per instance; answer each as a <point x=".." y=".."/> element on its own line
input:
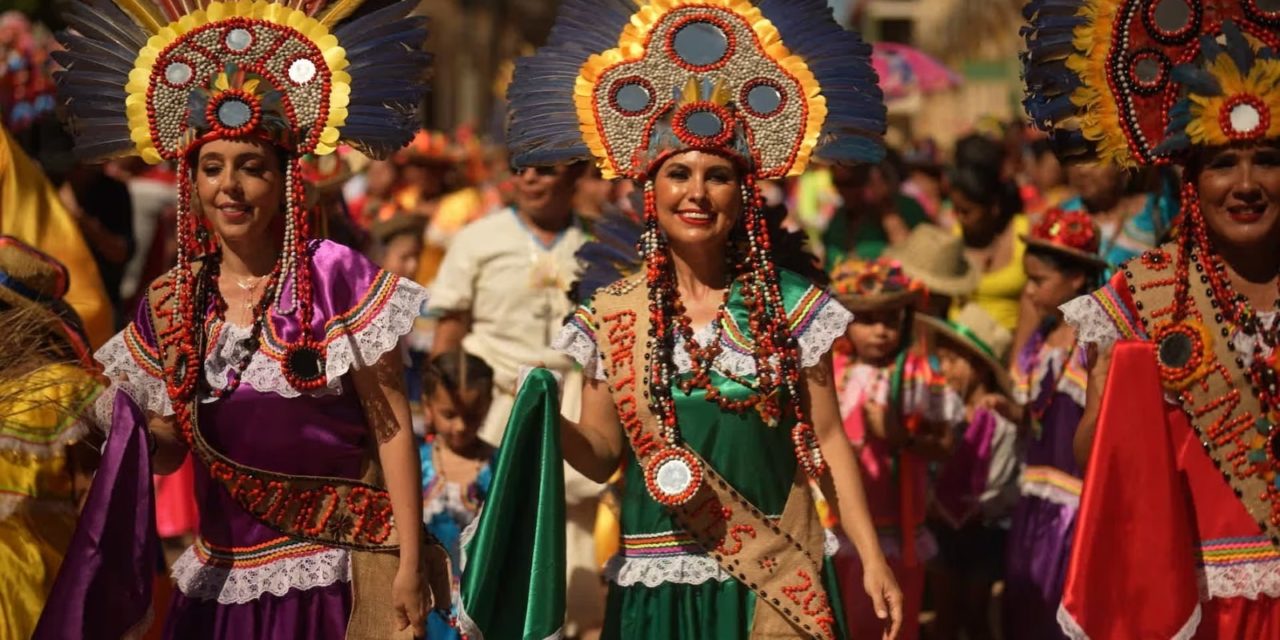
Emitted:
<point x="659" y="545"/>
<point x="1223" y="552"/>
<point x="256" y="555"/>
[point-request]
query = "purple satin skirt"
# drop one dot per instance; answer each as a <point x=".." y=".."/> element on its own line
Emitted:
<point x="314" y="614"/>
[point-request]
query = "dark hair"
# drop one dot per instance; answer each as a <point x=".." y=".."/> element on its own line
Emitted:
<point x="457" y="371"/>
<point x="1041" y="148"/>
<point x="979" y="175"/>
<point x="1069" y="264"/>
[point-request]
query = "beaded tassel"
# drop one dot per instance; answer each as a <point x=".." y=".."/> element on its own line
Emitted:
<point x="182" y="372"/>
<point x="304" y="361"/>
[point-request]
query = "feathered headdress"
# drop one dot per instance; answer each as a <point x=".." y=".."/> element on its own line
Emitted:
<point x="1132" y="82"/>
<point x="160" y="78"/>
<point x="154" y="77"/>
<point x="776" y="83"/>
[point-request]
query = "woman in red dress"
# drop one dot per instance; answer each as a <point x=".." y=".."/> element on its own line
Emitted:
<point x="1178" y="534"/>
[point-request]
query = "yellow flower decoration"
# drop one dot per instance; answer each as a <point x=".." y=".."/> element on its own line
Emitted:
<point x="1248" y="108"/>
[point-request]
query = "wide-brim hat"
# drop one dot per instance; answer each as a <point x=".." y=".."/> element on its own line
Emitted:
<point x="936" y="258"/>
<point x="31" y="279"/>
<point x="398" y="223"/>
<point x="974" y="330"/>
<point x="1091" y="259"/>
<point x="1072" y="234"/>
<point x="862" y="285"/>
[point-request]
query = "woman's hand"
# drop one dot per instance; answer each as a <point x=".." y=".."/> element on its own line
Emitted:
<point x="408" y="599"/>
<point x="886" y="597"/>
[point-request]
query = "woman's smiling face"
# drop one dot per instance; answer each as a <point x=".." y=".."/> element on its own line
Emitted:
<point x="1239" y="189"/>
<point x="698" y="197"/>
<point x="239" y="186"/>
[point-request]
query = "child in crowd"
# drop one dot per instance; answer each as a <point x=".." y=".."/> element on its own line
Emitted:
<point x="397" y="243"/>
<point x="456" y="464"/>
<point x="898" y="414"/>
<point x="1050" y="377"/>
<point x="976" y="488"/>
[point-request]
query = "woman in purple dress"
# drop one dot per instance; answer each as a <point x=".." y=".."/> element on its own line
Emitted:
<point x="269" y="357"/>
<point x="1049" y="380"/>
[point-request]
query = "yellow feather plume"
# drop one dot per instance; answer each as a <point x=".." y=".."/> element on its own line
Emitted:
<point x="692" y="92"/>
<point x="335" y="12"/>
<point x="144" y="13"/>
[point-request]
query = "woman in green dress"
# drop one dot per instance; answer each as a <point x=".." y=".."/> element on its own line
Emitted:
<point x="708" y="372"/>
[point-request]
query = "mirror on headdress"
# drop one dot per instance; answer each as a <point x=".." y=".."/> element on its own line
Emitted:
<point x="1147" y="70"/>
<point x="632" y="97"/>
<point x="234" y="114"/>
<point x="704" y="124"/>
<point x="764" y="100"/>
<point x="1172" y="16"/>
<point x="700" y="43"/>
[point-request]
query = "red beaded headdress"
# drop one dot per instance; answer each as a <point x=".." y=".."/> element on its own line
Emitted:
<point x="1072" y="233"/>
<point x="160" y="78"/>
<point x="773" y="84"/>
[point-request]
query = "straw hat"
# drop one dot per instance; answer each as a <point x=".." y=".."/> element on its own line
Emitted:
<point x="397" y="223"/>
<point x="879" y="284"/>
<point x="975" y="330"/>
<point x="31" y="279"/>
<point x="1070" y="233"/>
<point x="936" y="258"/>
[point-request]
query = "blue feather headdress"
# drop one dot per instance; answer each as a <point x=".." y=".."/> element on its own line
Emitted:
<point x="134" y="68"/>
<point x="775" y="83"/>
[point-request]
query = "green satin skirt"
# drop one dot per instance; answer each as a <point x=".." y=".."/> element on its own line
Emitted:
<point x="712" y="610"/>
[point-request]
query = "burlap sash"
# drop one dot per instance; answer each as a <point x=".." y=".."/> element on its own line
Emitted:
<point x="352" y="514"/>
<point x="1213" y="386"/>
<point x="780" y="561"/>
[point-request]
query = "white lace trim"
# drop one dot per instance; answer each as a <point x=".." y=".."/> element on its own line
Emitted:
<point x="1050" y="493"/>
<point x="831" y="322"/>
<point x="1074" y="631"/>
<point x="1243" y="580"/>
<point x="348" y="351"/>
<point x="118" y="365"/>
<point x="652" y="572"/>
<point x="382" y="334"/>
<point x="1092" y="323"/>
<point x="1094" y="326"/>
<point x="684" y="568"/>
<point x="201" y="581"/>
<point x="574" y="342"/>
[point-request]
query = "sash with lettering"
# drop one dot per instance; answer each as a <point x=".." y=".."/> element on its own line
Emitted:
<point x="1198" y="364"/>
<point x="339" y="512"/>
<point x="779" y="561"/>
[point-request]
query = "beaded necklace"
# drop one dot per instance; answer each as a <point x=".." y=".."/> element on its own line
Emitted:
<point x="777" y="356"/>
<point x="1233" y="308"/>
<point x="261" y="313"/>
